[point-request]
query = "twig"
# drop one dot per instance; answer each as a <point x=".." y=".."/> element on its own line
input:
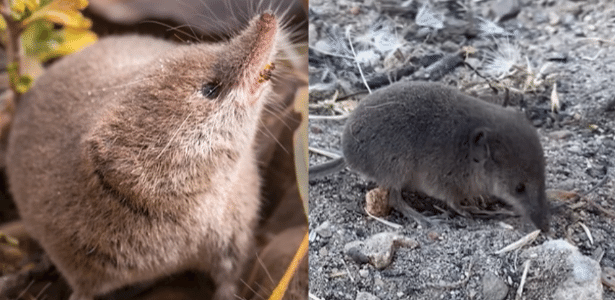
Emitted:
<point x="338" y="117"/>
<point x="520" y="243"/>
<point x="348" y="270"/>
<point x="587" y="232"/>
<point x="523" y="277"/>
<point x="13" y="55"/>
<point x="385" y="222"/>
<point x="323" y="152"/>
<point x="592" y="58"/>
<point x="355" y="59"/>
<point x="313" y="297"/>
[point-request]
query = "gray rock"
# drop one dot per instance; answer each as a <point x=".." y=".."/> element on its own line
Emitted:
<point x="363" y="273"/>
<point x="609" y="143"/>
<point x="378" y="249"/>
<point x="574" y="149"/>
<point x="569" y="19"/>
<point x="366" y="296"/>
<point x="505" y="9"/>
<point x="494" y="288"/>
<point x="449" y="46"/>
<point x="324" y="230"/>
<point x="565" y="273"/>
<point x="560" y="134"/>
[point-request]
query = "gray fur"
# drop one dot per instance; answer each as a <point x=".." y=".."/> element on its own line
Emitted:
<point x="431" y="138"/>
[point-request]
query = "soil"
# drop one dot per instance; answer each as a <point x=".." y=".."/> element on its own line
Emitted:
<point x="550" y="44"/>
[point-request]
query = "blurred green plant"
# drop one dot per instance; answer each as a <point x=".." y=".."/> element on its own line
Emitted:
<point x="34" y="31"/>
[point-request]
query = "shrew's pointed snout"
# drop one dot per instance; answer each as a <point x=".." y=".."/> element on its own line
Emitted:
<point x="540" y="214"/>
<point x="254" y="51"/>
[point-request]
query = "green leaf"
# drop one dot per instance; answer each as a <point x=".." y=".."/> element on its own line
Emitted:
<point x="40" y="38"/>
<point x="22" y="9"/>
<point x="21" y="82"/>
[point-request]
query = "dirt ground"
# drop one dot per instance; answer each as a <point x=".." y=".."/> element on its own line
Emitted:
<point x="549" y="44"/>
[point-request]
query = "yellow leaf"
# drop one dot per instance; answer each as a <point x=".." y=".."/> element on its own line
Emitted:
<point x="73" y="41"/>
<point x="2" y="24"/>
<point x="31" y="4"/>
<point x="65" y="12"/>
<point x="19" y="6"/>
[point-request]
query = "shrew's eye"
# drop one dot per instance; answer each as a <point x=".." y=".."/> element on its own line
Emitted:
<point x="520" y="189"/>
<point x="211" y="90"/>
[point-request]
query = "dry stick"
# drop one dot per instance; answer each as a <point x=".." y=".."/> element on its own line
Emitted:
<point x="13" y="56"/>
<point x="520" y="243"/>
<point x="339" y="117"/>
<point x="385" y="222"/>
<point x="313" y="297"/>
<point x="348" y="270"/>
<point x="355" y="59"/>
<point x="523" y="277"/>
<point x="483" y="77"/>
<point x="587" y="232"/>
<point x="326" y="153"/>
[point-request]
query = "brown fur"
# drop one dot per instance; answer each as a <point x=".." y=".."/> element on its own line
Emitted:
<point x="125" y="171"/>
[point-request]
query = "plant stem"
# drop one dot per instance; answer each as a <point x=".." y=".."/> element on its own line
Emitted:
<point x="13" y="43"/>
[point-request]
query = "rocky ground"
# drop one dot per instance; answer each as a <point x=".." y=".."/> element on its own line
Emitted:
<point x="529" y="48"/>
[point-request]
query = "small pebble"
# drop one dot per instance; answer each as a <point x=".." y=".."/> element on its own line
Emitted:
<point x="363" y="273"/>
<point x="561" y="134"/>
<point x="324" y="230"/>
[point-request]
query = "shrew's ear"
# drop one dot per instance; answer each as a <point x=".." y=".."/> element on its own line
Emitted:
<point x="479" y="146"/>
